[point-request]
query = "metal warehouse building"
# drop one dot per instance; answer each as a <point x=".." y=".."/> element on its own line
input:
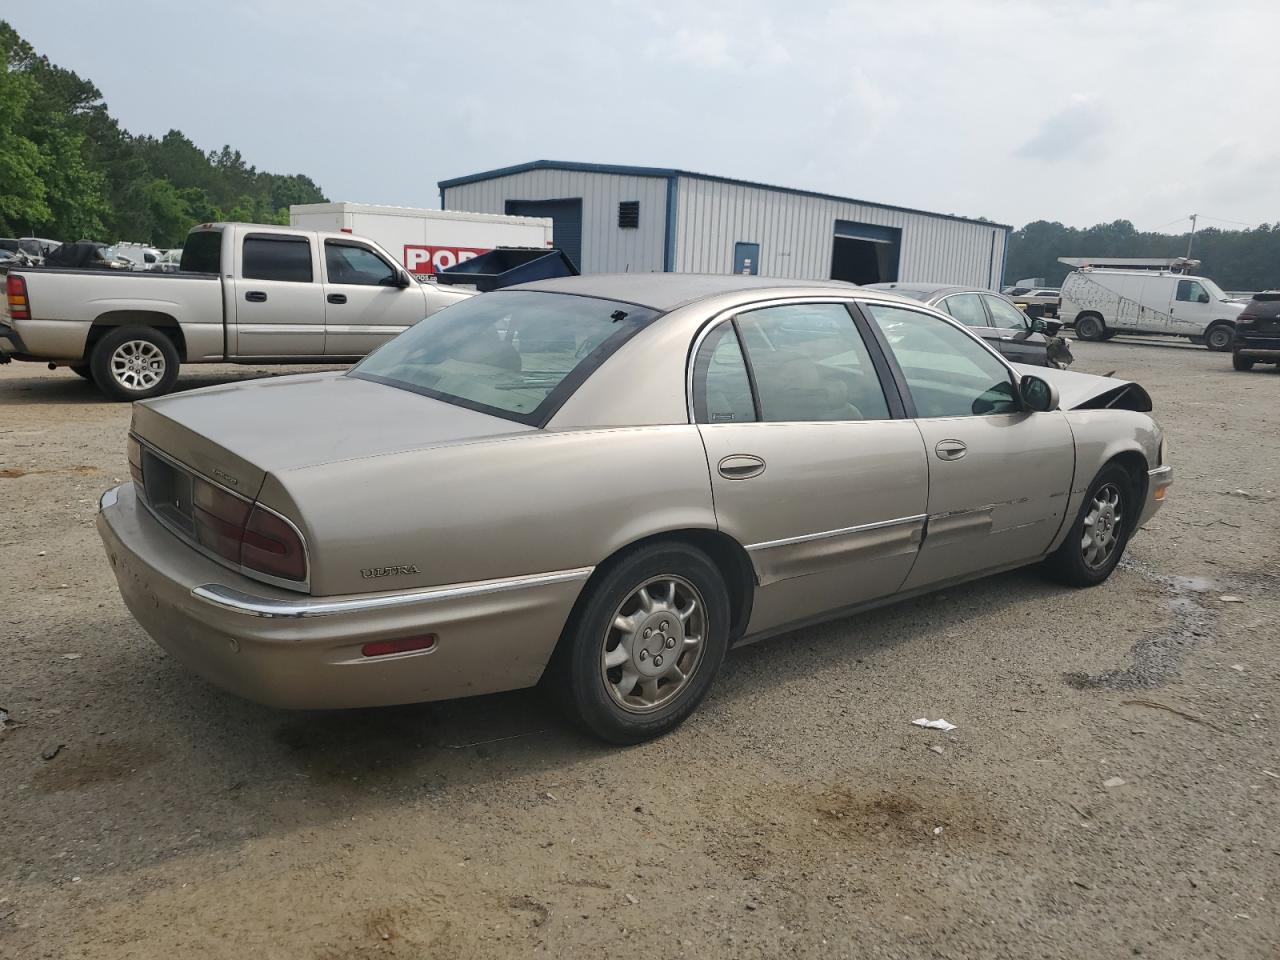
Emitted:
<point x="616" y="218"/>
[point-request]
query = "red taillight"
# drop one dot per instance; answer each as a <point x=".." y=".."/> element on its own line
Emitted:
<point x="219" y="519"/>
<point x="272" y="546"/>
<point x="16" y="291"/>
<point x="380" y="648"/>
<point x="134" y="452"/>
<point x="246" y="533"/>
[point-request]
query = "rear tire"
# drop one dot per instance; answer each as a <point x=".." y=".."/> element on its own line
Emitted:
<point x="1241" y="363"/>
<point x="1090" y="327"/>
<point x="1098" y="536"/>
<point x="609" y="674"/>
<point x="134" y="363"/>
<point x="1218" y="337"/>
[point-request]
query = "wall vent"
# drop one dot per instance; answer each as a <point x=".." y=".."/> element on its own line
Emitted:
<point x="629" y="214"/>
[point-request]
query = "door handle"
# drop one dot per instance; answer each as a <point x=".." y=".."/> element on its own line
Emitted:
<point x="741" y="466"/>
<point x="256" y="296"/>
<point x="337" y="298"/>
<point x="950" y="450"/>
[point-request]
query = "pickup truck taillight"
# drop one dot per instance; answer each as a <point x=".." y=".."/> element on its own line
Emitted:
<point x="16" y="290"/>
<point x="245" y="533"/>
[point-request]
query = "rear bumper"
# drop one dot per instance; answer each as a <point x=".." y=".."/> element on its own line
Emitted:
<point x="287" y="650"/>
<point x="1159" y="481"/>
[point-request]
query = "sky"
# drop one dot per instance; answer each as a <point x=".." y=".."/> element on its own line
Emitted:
<point x="1081" y="111"/>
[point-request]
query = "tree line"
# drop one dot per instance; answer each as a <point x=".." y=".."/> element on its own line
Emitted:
<point x="1236" y="259"/>
<point x="68" y="171"/>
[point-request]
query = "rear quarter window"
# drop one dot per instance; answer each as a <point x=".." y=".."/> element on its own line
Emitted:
<point x="202" y="252"/>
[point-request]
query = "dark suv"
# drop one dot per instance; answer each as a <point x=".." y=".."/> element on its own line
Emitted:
<point x="1257" y="338"/>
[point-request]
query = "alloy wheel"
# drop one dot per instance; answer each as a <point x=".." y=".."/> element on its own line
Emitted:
<point x="1103" y="525"/>
<point x="137" y="365"/>
<point x="654" y="644"/>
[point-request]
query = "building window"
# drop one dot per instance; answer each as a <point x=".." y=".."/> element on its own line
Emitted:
<point x="629" y="214"/>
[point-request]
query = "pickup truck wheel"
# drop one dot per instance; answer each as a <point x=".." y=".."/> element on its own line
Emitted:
<point x="1090" y="327"/>
<point x="134" y="363"/>
<point x="1219" y="338"/>
<point x="1241" y="363"/>
<point x="81" y="370"/>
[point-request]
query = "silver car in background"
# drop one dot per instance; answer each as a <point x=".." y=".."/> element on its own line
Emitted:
<point x="603" y="483"/>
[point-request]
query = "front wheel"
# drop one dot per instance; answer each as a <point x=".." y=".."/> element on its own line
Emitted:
<point x="1090" y="327"/>
<point x="81" y="370"/>
<point x="134" y="363"/>
<point x="1219" y="338"/>
<point x="1097" y="539"/>
<point x="1241" y="363"/>
<point x="644" y="649"/>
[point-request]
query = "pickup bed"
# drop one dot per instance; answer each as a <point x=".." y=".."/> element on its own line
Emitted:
<point x="245" y="293"/>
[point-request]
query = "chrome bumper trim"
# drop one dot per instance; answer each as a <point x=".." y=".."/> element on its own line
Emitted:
<point x="109" y="498"/>
<point x="237" y="601"/>
<point x="1160" y="476"/>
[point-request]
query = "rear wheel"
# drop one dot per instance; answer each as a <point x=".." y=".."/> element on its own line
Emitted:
<point x="1097" y="539"/>
<point x="1219" y="337"/>
<point x="134" y="363"/>
<point x="644" y="649"/>
<point x="1241" y="363"/>
<point x="1090" y="327"/>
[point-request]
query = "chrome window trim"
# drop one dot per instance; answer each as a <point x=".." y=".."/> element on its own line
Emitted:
<point x="843" y="531"/>
<point x="237" y="601"/>
<point x="302" y="586"/>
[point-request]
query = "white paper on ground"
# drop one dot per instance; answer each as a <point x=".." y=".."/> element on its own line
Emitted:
<point x="938" y="724"/>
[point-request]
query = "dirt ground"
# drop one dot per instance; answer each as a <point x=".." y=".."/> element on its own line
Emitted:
<point x="798" y="813"/>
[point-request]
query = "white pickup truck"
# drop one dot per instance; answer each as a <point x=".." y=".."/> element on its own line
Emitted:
<point x="245" y="293"/>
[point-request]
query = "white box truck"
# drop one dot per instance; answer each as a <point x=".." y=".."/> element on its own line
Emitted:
<point x="425" y="240"/>
<point x="1105" y="296"/>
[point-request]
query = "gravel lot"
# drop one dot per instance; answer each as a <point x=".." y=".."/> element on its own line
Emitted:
<point x="798" y="813"/>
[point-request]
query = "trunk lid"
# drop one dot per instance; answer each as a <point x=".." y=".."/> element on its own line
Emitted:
<point x="238" y="433"/>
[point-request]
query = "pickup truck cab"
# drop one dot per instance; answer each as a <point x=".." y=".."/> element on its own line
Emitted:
<point x="244" y="293"/>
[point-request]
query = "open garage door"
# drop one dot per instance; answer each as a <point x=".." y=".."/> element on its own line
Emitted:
<point x="865" y="252"/>
<point x="566" y="222"/>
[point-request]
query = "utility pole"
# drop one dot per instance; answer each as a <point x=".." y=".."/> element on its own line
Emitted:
<point x="1193" y="234"/>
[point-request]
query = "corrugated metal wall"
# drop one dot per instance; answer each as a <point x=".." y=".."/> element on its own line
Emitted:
<point x="795" y="234"/>
<point x="794" y="231"/>
<point x="605" y="247"/>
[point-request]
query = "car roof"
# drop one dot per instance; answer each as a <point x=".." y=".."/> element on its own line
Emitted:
<point x="666" y="291"/>
<point x="924" y="291"/>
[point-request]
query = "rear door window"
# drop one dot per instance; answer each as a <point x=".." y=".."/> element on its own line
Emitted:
<point x="810" y="364"/>
<point x="269" y="257"/>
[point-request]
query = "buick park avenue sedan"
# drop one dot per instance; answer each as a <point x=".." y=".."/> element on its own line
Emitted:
<point x="602" y="483"/>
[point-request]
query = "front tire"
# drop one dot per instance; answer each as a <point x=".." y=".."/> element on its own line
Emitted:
<point x="1219" y="338"/>
<point x="134" y="363"/>
<point x="81" y="370"/>
<point x="643" y="650"/>
<point x="1090" y="327"/>
<point x="1097" y="539"/>
<point x="1241" y="363"/>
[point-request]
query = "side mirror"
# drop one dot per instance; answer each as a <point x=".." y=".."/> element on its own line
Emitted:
<point x="1037" y="394"/>
<point x="1052" y="327"/>
<point x="1203" y="298"/>
<point x="399" y="280"/>
<point x="1038" y="325"/>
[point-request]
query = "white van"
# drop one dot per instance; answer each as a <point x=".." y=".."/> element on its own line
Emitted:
<point x="1104" y="301"/>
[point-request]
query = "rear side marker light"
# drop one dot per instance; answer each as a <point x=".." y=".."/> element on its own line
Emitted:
<point x="382" y="648"/>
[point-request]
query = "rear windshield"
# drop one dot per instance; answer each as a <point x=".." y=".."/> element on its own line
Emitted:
<point x="514" y="354"/>
<point x="202" y="252"/>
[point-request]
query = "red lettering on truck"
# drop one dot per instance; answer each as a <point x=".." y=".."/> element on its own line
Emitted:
<point x="427" y="260"/>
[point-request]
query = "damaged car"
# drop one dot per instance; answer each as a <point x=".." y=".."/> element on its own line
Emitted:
<point x="604" y="483"/>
